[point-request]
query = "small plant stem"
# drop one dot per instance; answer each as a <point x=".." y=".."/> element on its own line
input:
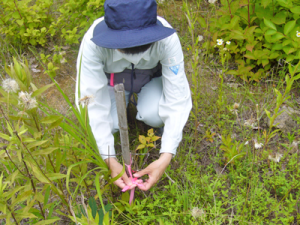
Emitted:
<point x="33" y="186"/>
<point x="13" y="162"/>
<point x="257" y="118"/>
<point x="36" y="123"/>
<point x="20" y="14"/>
<point x="229" y="9"/>
<point x="3" y="17"/>
<point x="13" y="214"/>
<point x="8" y="102"/>
<point x="248" y="13"/>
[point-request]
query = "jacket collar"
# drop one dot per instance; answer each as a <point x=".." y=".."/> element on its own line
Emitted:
<point x="117" y="55"/>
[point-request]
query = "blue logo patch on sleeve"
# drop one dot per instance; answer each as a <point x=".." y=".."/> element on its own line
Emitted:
<point x="174" y="69"/>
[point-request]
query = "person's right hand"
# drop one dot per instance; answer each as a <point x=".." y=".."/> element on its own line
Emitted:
<point x="116" y="168"/>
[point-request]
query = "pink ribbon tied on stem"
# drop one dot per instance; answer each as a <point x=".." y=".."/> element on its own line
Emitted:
<point x="135" y="181"/>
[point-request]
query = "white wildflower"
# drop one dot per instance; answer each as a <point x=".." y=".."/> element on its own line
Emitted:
<point x="228" y="42"/>
<point x="27" y="101"/>
<point x="10" y="85"/>
<point x="236" y="105"/>
<point x="234" y="108"/>
<point x="297" y="33"/>
<point x="212" y="1"/>
<point x="63" y="60"/>
<point x="277" y="157"/>
<point x="196" y="212"/>
<point x="250" y="122"/>
<point x="200" y="38"/>
<point x="294" y="146"/>
<point x="257" y="145"/>
<point x="247" y="142"/>
<point x="219" y="41"/>
<point x="86" y="100"/>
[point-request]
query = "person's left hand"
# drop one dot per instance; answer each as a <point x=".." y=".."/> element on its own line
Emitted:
<point x="155" y="170"/>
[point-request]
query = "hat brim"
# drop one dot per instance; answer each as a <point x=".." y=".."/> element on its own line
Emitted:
<point x="118" y="39"/>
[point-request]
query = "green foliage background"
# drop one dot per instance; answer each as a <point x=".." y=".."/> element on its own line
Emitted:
<point x="37" y="22"/>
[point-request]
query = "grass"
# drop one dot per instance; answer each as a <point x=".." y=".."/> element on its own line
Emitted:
<point x="204" y="183"/>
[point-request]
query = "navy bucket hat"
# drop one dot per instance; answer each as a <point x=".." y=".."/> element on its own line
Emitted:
<point x="129" y="23"/>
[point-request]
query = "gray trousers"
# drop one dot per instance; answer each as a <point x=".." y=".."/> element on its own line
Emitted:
<point x="147" y="104"/>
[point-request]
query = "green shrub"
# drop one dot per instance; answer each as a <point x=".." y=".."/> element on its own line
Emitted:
<point x="37" y="22"/>
<point x="260" y="34"/>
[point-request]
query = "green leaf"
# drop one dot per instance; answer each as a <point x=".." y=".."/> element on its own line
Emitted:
<point x="69" y="173"/>
<point x="56" y="176"/>
<point x="41" y="90"/>
<point x="47" y="194"/>
<point x="97" y="184"/>
<point x="155" y="138"/>
<point x="269" y="24"/>
<point x="277" y="37"/>
<point x="20" y="22"/>
<point x="202" y="22"/>
<point x="21" y="197"/>
<point x="45" y="151"/>
<point x="20" y="216"/>
<point x="285" y="3"/>
<point x="279" y="18"/>
<point x="274" y="55"/>
<point x="277" y="47"/>
<point x="290" y="58"/>
<point x="286" y="49"/>
<point x="50" y="119"/>
<point x="56" y="123"/>
<point x="36" y="143"/>
<point x="249" y="55"/>
<point x="106" y="219"/>
<point x="50" y="221"/>
<point x="5" y="137"/>
<point x="264" y="62"/>
<point x="289" y="26"/>
<point x="237" y="34"/>
<point x="270" y="32"/>
<point x="16" y="15"/>
<point x="39" y="175"/>
<point x="265" y="3"/>
<point x="93" y="205"/>
<point x="295" y="10"/>
<point x="286" y="42"/>
<point x="142" y="139"/>
<point x="141" y="146"/>
<point x="9" y="194"/>
<point x="268" y="113"/>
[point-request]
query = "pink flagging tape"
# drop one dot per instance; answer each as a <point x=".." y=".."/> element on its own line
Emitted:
<point x="134" y="180"/>
<point x="112" y="76"/>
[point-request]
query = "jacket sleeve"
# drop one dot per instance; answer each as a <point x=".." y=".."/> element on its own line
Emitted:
<point x="93" y="82"/>
<point x="175" y="104"/>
